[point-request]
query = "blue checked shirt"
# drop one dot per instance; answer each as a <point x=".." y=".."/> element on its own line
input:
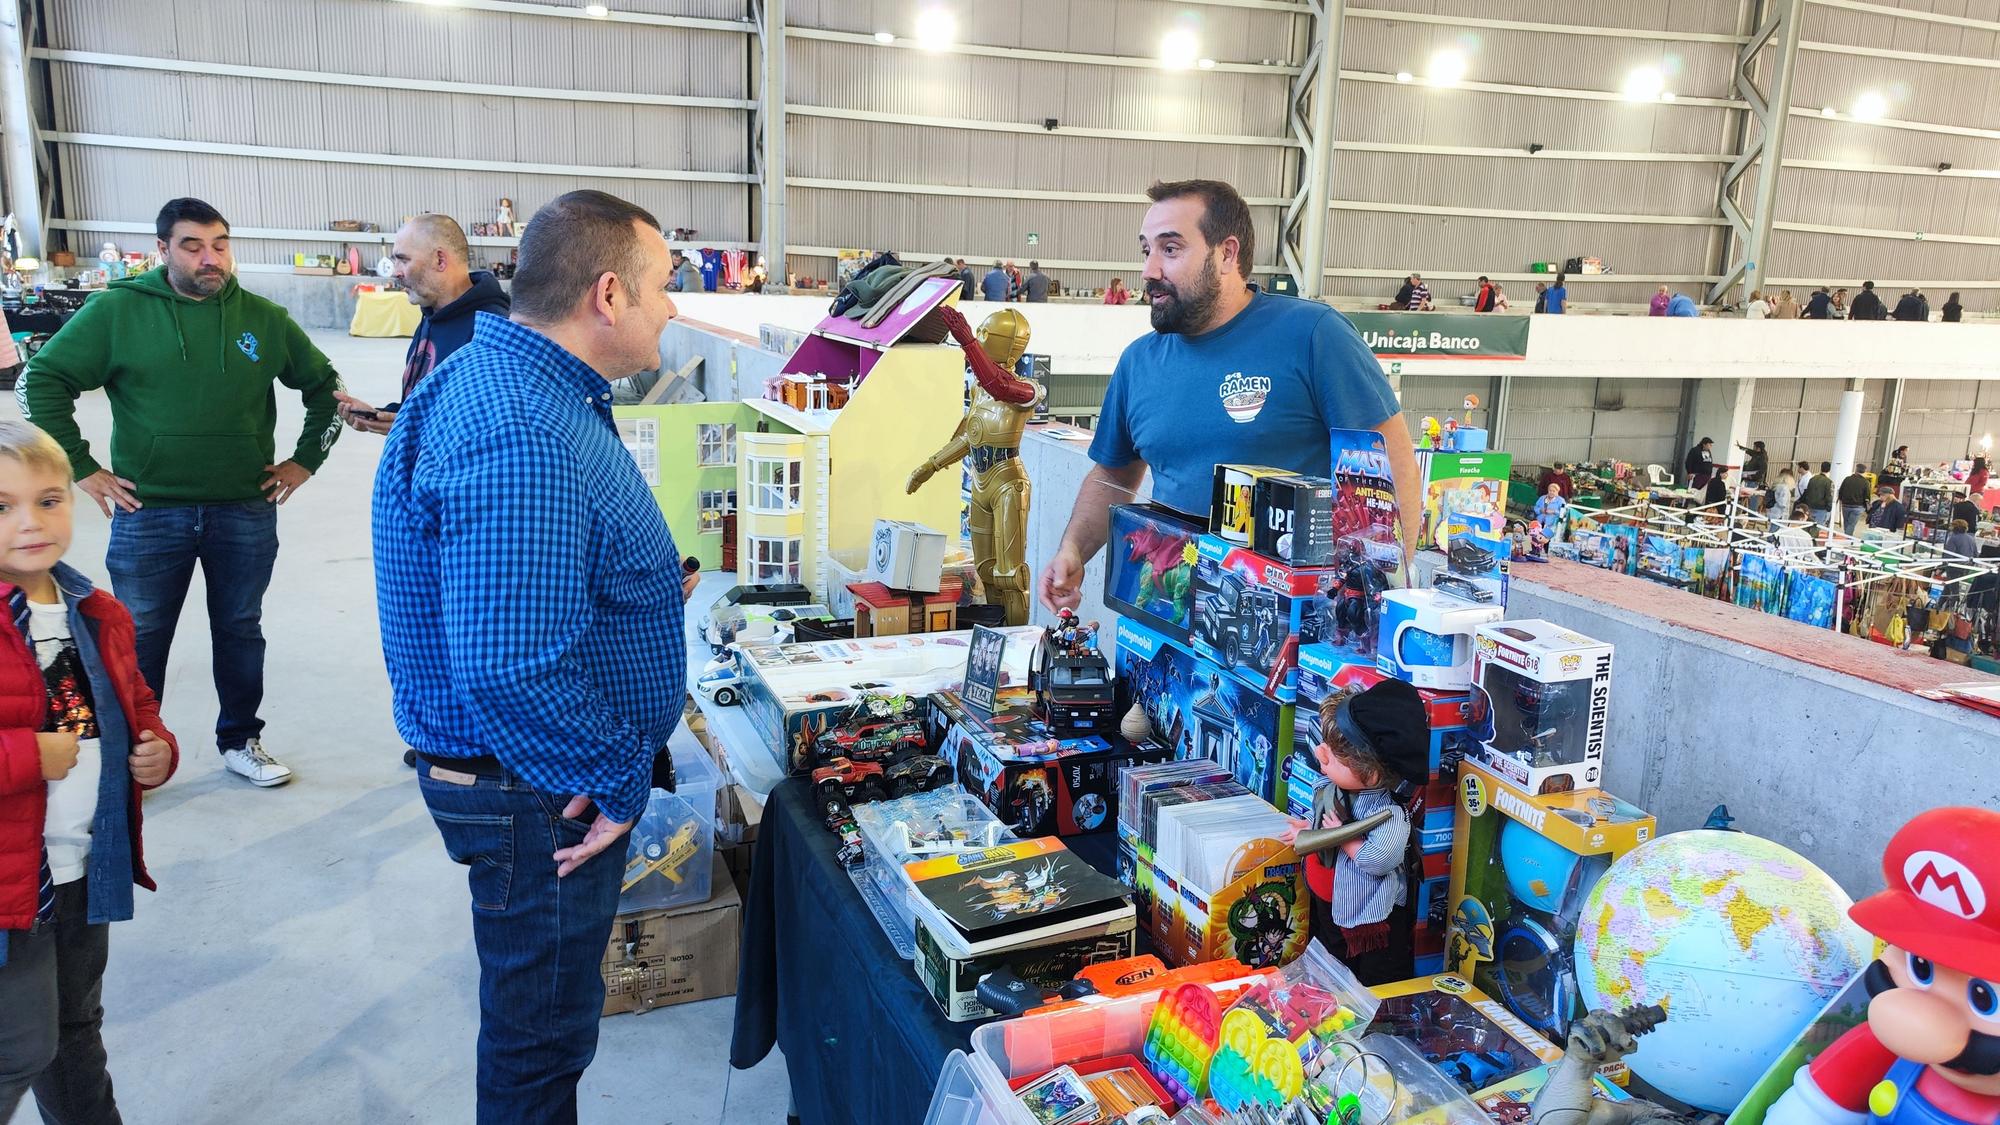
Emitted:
<point x="529" y="590"/>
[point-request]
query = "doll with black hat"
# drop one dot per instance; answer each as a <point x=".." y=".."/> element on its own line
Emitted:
<point x="1374" y="749"/>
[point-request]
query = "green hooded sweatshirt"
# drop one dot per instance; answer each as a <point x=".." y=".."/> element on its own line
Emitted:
<point x="193" y="411"/>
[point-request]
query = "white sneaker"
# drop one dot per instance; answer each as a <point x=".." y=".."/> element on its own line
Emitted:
<point x="258" y="767"/>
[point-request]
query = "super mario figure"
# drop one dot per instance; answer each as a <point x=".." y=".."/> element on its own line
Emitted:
<point x="1930" y="1051"/>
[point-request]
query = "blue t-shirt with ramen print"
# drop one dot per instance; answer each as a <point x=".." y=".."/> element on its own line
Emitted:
<point x="1263" y="389"/>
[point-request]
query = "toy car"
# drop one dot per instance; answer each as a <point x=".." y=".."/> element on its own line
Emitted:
<point x="1474" y="1070"/>
<point x="721" y="681"/>
<point x="841" y="783"/>
<point x="1470" y="558"/>
<point x="920" y="774"/>
<point x="882" y="742"/>
<point x="852" y="852"/>
<point x="1239" y="620"/>
<point x="1462" y="587"/>
<point x="756" y="623"/>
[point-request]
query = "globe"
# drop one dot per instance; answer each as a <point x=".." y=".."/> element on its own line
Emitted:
<point x="1742" y="940"/>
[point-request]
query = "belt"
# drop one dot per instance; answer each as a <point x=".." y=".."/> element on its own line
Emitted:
<point x="481" y="765"/>
<point x="985" y="457"/>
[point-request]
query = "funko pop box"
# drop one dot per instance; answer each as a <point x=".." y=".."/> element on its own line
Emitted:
<point x="1036" y="784"/>
<point x="1197" y="710"/>
<point x="1543" y="698"/>
<point x="1149" y="561"/>
<point x="1521" y="867"/>
<point x="1251" y="614"/>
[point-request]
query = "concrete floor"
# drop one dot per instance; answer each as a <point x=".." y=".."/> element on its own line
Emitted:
<point x="309" y="955"/>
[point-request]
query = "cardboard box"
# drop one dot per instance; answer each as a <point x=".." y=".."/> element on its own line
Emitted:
<point x="1260" y="918"/>
<point x="793" y="692"/>
<point x="1232" y="507"/>
<point x="1200" y="711"/>
<point x="1542" y="694"/>
<point x="1251" y="614"/>
<point x="1149" y="567"/>
<point x="1038" y="785"/>
<point x="742" y="813"/>
<point x="1469" y="1036"/>
<point x="1521" y="867"/>
<point x="1294" y="516"/>
<point x="1472" y="485"/>
<point x="906" y="556"/>
<point x="658" y="958"/>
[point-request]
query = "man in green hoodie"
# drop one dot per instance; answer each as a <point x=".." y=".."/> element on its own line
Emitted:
<point x="188" y="360"/>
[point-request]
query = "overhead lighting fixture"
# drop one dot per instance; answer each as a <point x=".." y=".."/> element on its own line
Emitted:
<point x="1179" y="49"/>
<point x="1828" y="111"/>
<point x="1645" y="84"/>
<point x="596" y="11"/>
<point x="1405" y="76"/>
<point x="936" y="29"/>
<point x="1870" y="106"/>
<point x="1447" y="68"/>
<point x="1206" y="64"/>
<point x="1666" y="95"/>
<point x="885" y="37"/>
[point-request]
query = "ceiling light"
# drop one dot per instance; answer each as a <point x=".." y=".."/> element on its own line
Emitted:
<point x="1179" y="49"/>
<point x="1666" y="95"/>
<point x="1828" y="111"/>
<point x="1405" y="76"/>
<point x="1206" y="64"/>
<point x="1645" y="84"/>
<point x="885" y="37"/>
<point x="1447" y="68"/>
<point x="1870" y="106"/>
<point x="596" y="11"/>
<point x="936" y="29"/>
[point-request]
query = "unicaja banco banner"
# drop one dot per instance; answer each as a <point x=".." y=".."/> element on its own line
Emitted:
<point x="1394" y="335"/>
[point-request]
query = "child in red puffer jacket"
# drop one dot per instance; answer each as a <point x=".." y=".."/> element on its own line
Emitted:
<point x="80" y="737"/>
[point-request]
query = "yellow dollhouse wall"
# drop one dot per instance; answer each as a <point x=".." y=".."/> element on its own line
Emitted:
<point x="752" y="523"/>
<point x="903" y="412"/>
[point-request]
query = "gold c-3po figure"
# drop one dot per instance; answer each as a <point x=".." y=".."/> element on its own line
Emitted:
<point x="989" y="440"/>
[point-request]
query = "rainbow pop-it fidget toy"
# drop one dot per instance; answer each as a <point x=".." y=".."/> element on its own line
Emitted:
<point x="1181" y="1040"/>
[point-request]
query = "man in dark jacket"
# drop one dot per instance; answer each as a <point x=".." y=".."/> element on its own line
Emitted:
<point x="1817" y="495"/>
<point x="1854" y="492"/>
<point x="1818" y="305"/>
<point x="1867" y="306"/>
<point x="966" y="288"/>
<point x="1888" y="512"/>
<point x="1912" y="307"/>
<point x="188" y="360"/>
<point x="433" y="263"/>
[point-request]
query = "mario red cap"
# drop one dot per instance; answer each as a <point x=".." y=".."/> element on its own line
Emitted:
<point x="1943" y="898"/>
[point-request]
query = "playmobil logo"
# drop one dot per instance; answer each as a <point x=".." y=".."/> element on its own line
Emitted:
<point x="1944" y="883"/>
<point x="1419" y="342"/>
<point x="1507" y="802"/>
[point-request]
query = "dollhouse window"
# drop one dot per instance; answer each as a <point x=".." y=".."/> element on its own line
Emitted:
<point x="715" y="444"/>
<point x="775" y="485"/>
<point x="774" y="560"/>
<point x="715" y="505"/>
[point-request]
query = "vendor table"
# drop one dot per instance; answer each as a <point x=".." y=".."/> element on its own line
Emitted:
<point x="862" y="1039"/>
<point x="383" y="312"/>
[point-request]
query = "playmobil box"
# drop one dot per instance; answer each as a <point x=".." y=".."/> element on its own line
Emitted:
<point x="1197" y="710"/>
<point x="1427" y="638"/>
<point x="1232" y="509"/>
<point x="1149" y="560"/>
<point x="1542" y="695"/>
<point x="1323" y="671"/>
<point x="793" y="693"/>
<point x="1521" y="867"/>
<point x="1251" y="614"/>
<point x="1472" y="485"/>
<point x="1294" y="515"/>
<point x="1036" y="784"/>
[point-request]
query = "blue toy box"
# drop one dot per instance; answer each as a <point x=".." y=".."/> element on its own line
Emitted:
<point x="1200" y="711"/>
<point x="1253" y="613"/>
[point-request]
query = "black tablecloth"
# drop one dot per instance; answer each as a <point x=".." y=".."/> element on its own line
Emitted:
<point x="862" y="1039"/>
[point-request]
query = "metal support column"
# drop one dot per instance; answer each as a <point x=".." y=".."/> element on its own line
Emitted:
<point x="1746" y="250"/>
<point x="1892" y="413"/>
<point x="17" y="121"/>
<point x="768" y="140"/>
<point x="1501" y="389"/>
<point x="1311" y="116"/>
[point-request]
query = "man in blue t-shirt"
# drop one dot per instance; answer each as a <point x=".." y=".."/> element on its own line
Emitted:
<point x="1231" y="375"/>
<point x="1558" y="296"/>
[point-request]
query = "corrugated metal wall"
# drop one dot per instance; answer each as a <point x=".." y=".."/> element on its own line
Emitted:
<point x="1945" y="420"/>
<point x="1569" y="420"/>
<point x="392" y="41"/>
<point x="1796" y="419"/>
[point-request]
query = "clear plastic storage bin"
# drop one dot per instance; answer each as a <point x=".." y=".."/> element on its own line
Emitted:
<point x="884" y="887"/>
<point x="670" y="860"/>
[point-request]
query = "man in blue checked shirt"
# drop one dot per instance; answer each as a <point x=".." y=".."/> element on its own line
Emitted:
<point x="531" y="620"/>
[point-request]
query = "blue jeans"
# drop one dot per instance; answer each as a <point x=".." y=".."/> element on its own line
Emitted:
<point x="1850" y="518"/>
<point x="1822" y="516"/>
<point x="540" y="940"/>
<point x="151" y="562"/>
